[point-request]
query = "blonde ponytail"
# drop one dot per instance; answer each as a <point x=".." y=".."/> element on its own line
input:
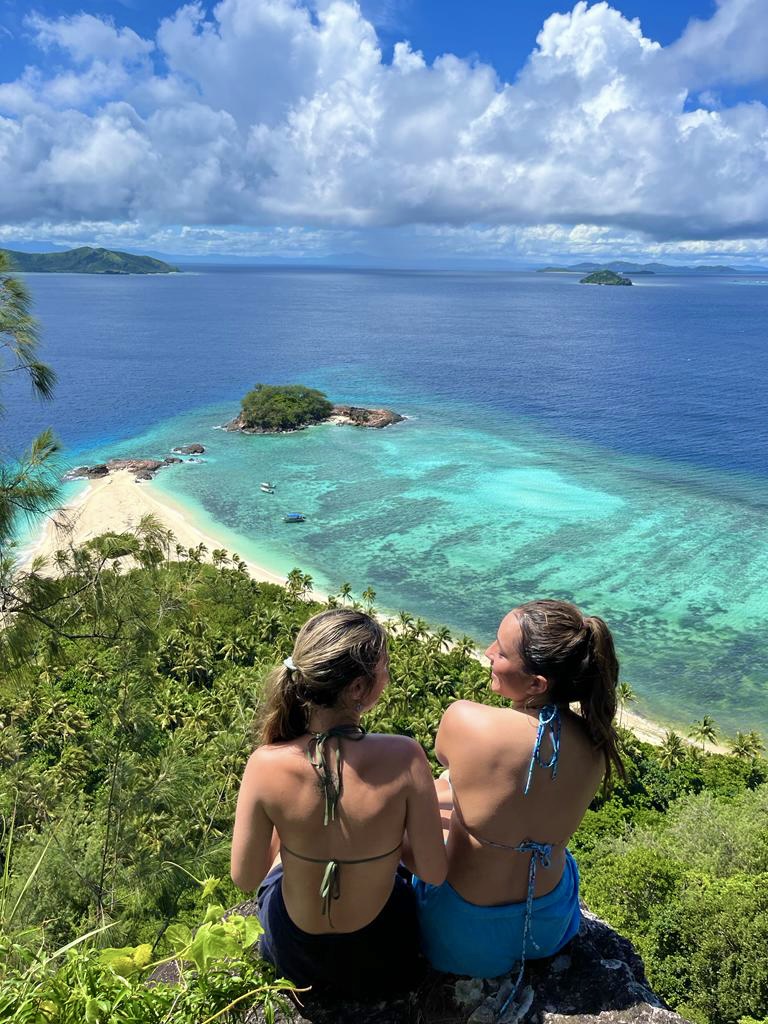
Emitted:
<point x="332" y="649"/>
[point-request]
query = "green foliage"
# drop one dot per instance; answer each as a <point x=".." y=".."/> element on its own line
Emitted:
<point x="27" y="485"/>
<point x="126" y="714"/>
<point x="217" y="977"/>
<point x="703" y="939"/>
<point x="284" y="407"/>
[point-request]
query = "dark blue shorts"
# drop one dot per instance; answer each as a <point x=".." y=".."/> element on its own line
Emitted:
<point x="377" y="961"/>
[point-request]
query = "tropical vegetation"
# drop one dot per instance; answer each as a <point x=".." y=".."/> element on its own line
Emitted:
<point x="283" y="407"/>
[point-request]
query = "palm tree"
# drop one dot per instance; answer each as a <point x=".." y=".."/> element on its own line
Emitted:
<point x="233" y="648"/>
<point x="705" y="731"/>
<point x="24" y="487"/>
<point x="404" y="621"/>
<point x="624" y="695"/>
<point x="443" y="637"/>
<point x="294" y="583"/>
<point x="369" y="596"/>
<point x="672" y="750"/>
<point x="747" y="745"/>
<point x="756" y="742"/>
<point x="345" y="592"/>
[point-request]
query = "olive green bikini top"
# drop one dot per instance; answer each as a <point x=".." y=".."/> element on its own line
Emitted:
<point x="332" y="786"/>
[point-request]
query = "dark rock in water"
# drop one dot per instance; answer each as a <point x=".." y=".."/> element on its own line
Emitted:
<point x="597" y="979"/>
<point x="171" y="461"/>
<point x="144" y="469"/>
<point x="189" y="449"/>
<point x="359" y="417"/>
<point x="89" y="472"/>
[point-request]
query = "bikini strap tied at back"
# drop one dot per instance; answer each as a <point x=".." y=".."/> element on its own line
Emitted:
<point x="541" y="853"/>
<point x="330" y="778"/>
<point x="330" y="886"/>
<point x="549" y="722"/>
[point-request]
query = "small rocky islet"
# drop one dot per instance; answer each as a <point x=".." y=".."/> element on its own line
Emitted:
<point x="343" y="415"/>
<point x="281" y="408"/>
<point x="608" y="277"/>
<point x="288" y="407"/>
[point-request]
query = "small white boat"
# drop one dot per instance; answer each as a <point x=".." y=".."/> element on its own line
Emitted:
<point x="267" y="487"/>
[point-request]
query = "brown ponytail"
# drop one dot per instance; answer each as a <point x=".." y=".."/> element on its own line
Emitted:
<point x="332" y="649"/>
<point x="575" y="653"/>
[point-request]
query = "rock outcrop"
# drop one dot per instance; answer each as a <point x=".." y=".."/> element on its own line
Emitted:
<point x="347" y="415"/>
<point x="597" y="979"/>
<point x="358" y="417"/>
<point x="189" y="449"/>
<point x="144" y="469"/>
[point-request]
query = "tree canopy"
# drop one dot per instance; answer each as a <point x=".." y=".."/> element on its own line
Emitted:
<point x="284" y="407"/>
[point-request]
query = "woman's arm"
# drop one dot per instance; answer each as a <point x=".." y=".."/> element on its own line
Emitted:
<point x="255" y="842"/>
<point x="423" y="847"/>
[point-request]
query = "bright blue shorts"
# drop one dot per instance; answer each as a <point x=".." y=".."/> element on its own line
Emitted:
<point x="462" y="938"/>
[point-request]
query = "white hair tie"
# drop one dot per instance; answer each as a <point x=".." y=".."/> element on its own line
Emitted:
<point x="289" y="663"/>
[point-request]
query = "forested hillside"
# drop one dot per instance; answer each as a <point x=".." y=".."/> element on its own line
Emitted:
<point x="126" y="713"/>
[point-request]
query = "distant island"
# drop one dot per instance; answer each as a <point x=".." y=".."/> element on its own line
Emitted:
<point x="605" y="277"/>
<point x="635" y="269"/>
<point x="86" y="260"/>
<point x="278" y="408"/>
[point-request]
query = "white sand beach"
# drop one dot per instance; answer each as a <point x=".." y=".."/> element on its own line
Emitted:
<point x="117" y="503"/>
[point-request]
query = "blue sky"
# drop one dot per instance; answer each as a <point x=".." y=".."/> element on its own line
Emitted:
<point x="411" y="129"/>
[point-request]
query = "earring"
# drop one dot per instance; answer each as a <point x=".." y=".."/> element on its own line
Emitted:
<point x="358" y="706"/>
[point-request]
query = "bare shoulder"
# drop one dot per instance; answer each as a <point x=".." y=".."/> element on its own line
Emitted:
<point x="268" y="759"/>
<point x="468" y="715"/>
<point x="401" y="748"/>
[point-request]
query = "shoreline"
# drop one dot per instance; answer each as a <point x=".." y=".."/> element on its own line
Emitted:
<point x="116" y="503"/>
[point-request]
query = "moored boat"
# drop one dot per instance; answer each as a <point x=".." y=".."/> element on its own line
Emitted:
<point x="294" y="517"/>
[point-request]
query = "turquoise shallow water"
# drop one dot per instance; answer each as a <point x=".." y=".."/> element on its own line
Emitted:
<point x="458" y="524"/>
<point x="607" y="445"/>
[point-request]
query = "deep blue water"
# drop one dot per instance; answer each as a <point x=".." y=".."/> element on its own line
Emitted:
<point x="608" y="445"/>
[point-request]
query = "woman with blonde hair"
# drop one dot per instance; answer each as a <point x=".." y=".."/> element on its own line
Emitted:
<point x="333" y="810"/>
<point x="521" y="779"/>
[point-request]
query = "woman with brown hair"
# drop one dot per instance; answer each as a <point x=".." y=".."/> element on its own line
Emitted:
<point x="521" y="779"/>
<point x="333" y="810"/>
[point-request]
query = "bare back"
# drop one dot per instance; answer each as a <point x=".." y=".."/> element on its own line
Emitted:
<point x="386" y="789"/>
<point x="488" y="751"/>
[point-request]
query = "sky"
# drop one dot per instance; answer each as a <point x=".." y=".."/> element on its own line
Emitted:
<point x="518" y="131"/>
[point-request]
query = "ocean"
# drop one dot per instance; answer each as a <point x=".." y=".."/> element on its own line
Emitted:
<point x="604" y="445"/>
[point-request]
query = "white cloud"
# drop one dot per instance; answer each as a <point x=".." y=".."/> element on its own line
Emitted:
<point x="273" y="116"/>
<point x="732" y="47"/>
<point x="85" y="38"/>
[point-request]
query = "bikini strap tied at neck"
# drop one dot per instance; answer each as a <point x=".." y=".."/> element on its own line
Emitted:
<point x="549" y="721"/>
<point x="330" y="777"/>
